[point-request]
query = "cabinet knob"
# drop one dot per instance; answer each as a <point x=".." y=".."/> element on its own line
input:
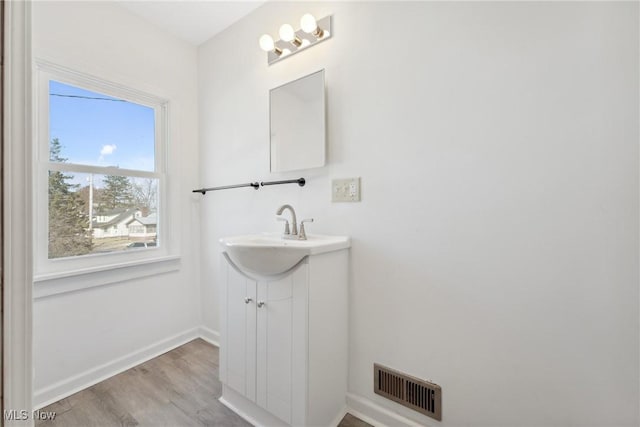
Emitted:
<point x="247" y="300"/>
<point x="260" y="304"/>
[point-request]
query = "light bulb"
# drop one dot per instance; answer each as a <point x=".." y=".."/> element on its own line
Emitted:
<point x="266" y="43"/>
<point x="286" y="33"/>
<point x="308" y="23"/>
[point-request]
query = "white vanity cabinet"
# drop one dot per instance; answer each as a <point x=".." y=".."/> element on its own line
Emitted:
<point x="283" y="350"/>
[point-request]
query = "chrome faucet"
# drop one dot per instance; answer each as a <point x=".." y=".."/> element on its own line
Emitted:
<point x="293" y="234"/>
<point x="294" y="226"/>
<point x="302" y="235"/>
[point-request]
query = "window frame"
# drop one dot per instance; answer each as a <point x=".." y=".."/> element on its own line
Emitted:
<point x="47" y="269"/>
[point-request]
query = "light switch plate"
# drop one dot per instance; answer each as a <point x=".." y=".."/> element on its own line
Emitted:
<point x="345" y="190"/>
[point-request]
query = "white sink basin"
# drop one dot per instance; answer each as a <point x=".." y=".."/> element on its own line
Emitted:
<point x="270" y="254"/>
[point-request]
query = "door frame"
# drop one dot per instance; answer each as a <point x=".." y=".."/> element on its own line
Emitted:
<point x="17" y="250"/>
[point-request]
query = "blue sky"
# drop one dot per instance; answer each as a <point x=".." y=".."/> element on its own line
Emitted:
<point x="101" y="132"/>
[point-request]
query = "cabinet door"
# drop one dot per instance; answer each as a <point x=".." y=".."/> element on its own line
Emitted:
<point x="240" y="333"/>
<point x="281" y="345"/>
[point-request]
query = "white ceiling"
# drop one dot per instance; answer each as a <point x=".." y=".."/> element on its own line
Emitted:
<point x="195" y="21"/>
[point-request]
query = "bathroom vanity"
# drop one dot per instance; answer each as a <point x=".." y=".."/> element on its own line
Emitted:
<point x="283" y="349"/>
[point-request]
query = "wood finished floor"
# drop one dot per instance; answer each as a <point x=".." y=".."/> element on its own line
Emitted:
<point x="178" y="388"/>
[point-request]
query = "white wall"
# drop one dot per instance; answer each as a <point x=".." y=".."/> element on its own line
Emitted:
<point x="81" y="336"/>
<point x="495" y="250"/>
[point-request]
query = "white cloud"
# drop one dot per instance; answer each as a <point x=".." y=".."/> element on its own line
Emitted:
<point x="108" y="149"/>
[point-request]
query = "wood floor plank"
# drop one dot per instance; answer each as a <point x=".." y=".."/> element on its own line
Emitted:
<point x="216" y="414"/>
<point x="351" y="421"/>
<point x="177" y="389"/>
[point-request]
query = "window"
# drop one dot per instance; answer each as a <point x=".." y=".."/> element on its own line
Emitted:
<point x="100" y="155"/>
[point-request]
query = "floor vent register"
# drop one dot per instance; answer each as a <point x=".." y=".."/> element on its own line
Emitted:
<point x="420" y="395"/>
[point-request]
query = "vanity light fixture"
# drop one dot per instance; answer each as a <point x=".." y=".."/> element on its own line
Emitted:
<point x="309" y="25"/>
<point x="267" y="44"/>
<point x="291" y="41"/>
<point x="289" y="35"/>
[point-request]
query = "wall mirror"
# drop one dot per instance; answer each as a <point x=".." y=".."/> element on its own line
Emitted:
<point x="297" y="124"/>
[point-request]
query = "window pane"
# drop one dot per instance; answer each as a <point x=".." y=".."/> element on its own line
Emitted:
<point x="123" y="212"/>
<point x="99" y="130"/>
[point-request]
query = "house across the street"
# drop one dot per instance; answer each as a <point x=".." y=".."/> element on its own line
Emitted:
<point x="143" y="227"/>
<point x="125" y="222"/>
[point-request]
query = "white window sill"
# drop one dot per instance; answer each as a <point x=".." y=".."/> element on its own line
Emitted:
<point x="49" y="284"/>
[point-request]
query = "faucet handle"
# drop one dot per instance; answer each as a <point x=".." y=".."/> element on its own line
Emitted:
<point x="302" y="235"/>
<point x="286" y="225"/>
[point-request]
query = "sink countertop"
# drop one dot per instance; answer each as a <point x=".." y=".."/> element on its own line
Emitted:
<point x="270" y="254"/>
<point x="315" y="243"/>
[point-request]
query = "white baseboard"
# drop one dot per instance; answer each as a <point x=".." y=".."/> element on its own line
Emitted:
<point x="339" y="417"/>
<point x="248" y="410"/>
<point x="209" y="335"/>
<point x="377" y="415"/>
<point x="238" y="412"/>
<point x="69" y="386"/>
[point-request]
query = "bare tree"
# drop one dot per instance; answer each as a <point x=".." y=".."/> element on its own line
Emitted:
<point x="145" y="193"/>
